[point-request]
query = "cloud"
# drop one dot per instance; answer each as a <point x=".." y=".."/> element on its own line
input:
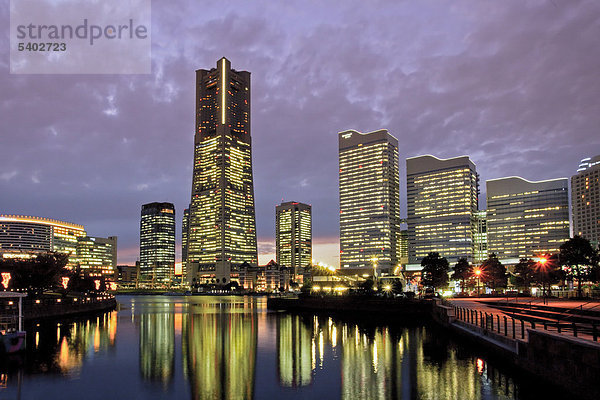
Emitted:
<point x="513" y="84"/>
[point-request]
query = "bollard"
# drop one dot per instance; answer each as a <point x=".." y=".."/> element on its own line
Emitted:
<point x="532" y="325"/>
<point x="505" y="327"/>
<point x="498" y="320"/>
<point x="574" y="329"/>
<point x="594" y="332"/>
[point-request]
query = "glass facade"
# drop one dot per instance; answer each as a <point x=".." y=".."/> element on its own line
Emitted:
<point x="184" y="242"/>
<point x="369" y="200"/>
<point x="442" y="199"/>
<point x="293" y="231"/>
<point x="157" y="242"/>
<point x="222" y="227"/>
<point x="481" y="252"/>
<point x="585" y="189"/>
<point x="526" y="219"/>
<point x="98" y="256"/>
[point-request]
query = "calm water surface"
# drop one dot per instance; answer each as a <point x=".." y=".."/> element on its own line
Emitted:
<point x="159" y="347"/>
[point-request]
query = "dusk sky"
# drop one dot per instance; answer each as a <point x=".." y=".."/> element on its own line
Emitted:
<point x="513" y="84"/>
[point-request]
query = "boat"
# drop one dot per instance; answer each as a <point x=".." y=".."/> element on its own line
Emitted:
<point x="12" y="335"/>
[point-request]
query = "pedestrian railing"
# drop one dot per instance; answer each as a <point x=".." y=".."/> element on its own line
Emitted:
<point x="515" y="328"/>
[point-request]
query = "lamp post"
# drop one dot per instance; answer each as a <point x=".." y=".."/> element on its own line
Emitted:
<point x="478" y="274"/>
<point x="542" y="267"/>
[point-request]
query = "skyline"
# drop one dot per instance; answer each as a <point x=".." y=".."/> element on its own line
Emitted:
<point x="516" y="100"/>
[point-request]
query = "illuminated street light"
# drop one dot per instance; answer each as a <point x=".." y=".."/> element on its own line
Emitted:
<point x="478" y="274"/>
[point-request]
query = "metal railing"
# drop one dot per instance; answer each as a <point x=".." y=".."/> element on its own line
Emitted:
<point x="514" y="328"/>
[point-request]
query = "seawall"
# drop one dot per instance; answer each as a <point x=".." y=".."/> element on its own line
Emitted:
<point x="50" y="308"/>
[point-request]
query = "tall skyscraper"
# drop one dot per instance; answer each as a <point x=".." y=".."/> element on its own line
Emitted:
<point x="157" y="241"/>
<point x="293" y="231"/>
<point x="222" y="227"/>
<point x="185" y="224"/>
<point x="526" y="219"/>
<point x="585" y="189"/>
<point x="442" y="202"/>
<point x="369" y="200"/>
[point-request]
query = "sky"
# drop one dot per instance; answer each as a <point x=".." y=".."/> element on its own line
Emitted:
<point x="514" y="84"/>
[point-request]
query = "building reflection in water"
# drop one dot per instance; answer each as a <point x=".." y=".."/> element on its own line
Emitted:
<point x="294" y="351"/>
<point x="220" y="350"/>
<point x="157" y="344"/>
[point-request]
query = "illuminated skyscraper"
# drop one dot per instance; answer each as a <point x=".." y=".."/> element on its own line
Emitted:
<point x="585" y="187"/>
<point x="369" y="200"/>
<point x="222" y="227"/>
<point x="293" y="231"/>
<point x="442" y="202"/>
<point x="157" y="241"/>
<point x="184" y="243"/>
<point x="97" y="255"/>
<point x="526" y="219"/>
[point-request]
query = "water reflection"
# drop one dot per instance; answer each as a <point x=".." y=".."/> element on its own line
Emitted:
<point x="220" y="356"/>
<point x="233" y="348"/>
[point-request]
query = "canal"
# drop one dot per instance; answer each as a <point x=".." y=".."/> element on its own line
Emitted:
<point x="200" y="347"/>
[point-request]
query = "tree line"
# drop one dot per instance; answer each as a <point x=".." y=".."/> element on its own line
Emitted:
<point x="577" y="261"/>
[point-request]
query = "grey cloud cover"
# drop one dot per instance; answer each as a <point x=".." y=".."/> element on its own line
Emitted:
<point x="514" y="84"/>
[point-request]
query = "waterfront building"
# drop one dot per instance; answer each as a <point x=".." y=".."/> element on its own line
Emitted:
<point x="157" y="242"/>
<point x="23" y="235"/>
<point x="97" y="256"/>
<point x="442" y="200"/>
<point x="293" y="232"/>
<point x="369" y="201"/>
<point x="184" y="243"/>
<point x="480" y="237"/>
<point x="526" y="219"/>
<point x="222" y="227"/>
<point x="127" y="275"/>
<point x="277" y="277"/>
<point x="585" y="189"/>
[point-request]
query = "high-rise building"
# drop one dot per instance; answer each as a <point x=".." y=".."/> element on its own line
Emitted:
<point x="480" y="238"/>
<point x="97" y="256"/>
<point x="369" y="200"/>
<point x="442" y="199"/>
<point x="222" y="227"/>
<point x="157" y="242"/>
<point x="585" y="189"/>
<point x="21" y="235"/>
<point x="185" y="224"/>
<point x="293" y="231"/>
<point x="526" y="219"/>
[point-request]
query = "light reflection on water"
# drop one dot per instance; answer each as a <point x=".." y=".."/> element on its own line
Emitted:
<point x="232" y="348"/>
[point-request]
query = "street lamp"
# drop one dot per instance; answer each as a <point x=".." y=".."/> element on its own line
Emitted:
<point x="542" y="267"/>
<point x="478" y="274"/>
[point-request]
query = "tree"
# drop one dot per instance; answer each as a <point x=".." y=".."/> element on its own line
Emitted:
<point x="580" y="258"/>
<point x="36" y="274"/>
<point x="397" y="286"/>
<point x="435" y="271"/>
<point x="493" y="273"/>
<point x="462" y="271"/>
<point x="524" y="273"/>
<point x="367" y="285"/>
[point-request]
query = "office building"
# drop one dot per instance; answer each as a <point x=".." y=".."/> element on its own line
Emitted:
<point x="97" y="256"/>
<point x="157" y="242"/>
<point x="369" y="201"/>
<point x="480" y="237"/>
<point x="293" y="233"/>
<point x="184" y="243"/>
<point x="442" y="199"/>
<point x="585" y="189"/>
<point x="526" y="219"/>
<point x="23" y="236"/>
<point x="222" y="227"/>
